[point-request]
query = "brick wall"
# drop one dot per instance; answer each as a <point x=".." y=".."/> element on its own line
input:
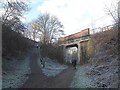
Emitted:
<point x="82" y="33"/>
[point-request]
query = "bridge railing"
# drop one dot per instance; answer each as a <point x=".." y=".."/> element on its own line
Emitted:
<point x="91" y="31"/>
<point x="102" y="29"/>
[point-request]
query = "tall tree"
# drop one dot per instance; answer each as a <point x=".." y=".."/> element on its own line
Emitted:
<point x="13" y="11"/>
<point x="34" y="31"/>
<point x="49" y="26"/>
<point x="113" y="10"/>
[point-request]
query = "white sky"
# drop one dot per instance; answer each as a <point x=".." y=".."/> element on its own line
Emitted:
<point x="78" y="14"/>
<point x="75" y="15"/>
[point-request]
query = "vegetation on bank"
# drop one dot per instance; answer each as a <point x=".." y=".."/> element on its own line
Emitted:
<point x="53" y="51"/>
<point x="103" y="58"/>
<point x="14" y="44"/>
<point x="102" y="42"/>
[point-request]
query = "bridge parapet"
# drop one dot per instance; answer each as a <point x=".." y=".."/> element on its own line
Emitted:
<point x="77" y="37"/>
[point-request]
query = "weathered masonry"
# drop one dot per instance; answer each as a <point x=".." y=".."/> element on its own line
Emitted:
<point x="74" y="46"/>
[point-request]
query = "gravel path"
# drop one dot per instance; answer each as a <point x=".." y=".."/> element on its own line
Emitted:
<point x="38" y="80"/>
<point x="47" y="77"/>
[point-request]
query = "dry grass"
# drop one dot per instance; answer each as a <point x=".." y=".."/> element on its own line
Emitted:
<point x="102" y="45"/>
<point x="104" y="63"/>
<point x="105" y="40"/>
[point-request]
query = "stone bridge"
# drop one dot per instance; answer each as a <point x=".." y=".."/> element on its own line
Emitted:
<point x="74" y="46"/>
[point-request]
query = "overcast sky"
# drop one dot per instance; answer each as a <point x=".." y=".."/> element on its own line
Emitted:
<point x="75" y="15"/>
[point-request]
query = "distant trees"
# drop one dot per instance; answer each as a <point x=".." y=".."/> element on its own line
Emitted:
<point x="119" y="14"/>
<point x="48" y="27"/>
<point x="34" y="31"/>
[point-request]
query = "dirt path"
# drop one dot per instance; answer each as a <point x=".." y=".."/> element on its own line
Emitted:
<point x="38" y="80"/>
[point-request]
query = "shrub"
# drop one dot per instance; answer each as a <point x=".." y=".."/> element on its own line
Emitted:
<point x="52" y="51"/>
<point x="14" y="43"/>
<point x="103" y="43"/>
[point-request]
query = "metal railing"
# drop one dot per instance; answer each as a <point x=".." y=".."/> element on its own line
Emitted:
<point x="102" y="29"/>
<point x="92" y="31"/>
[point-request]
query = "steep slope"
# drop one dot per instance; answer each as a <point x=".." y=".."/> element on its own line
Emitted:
<point x="103" y="69"/>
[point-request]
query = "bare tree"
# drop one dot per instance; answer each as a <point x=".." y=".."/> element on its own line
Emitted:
<point x="32" y="32"/>
<point x="49" y="27"/>
<point x="27" y="33"/>
<point x="113" y="11"/>
<point x="13" y="11"/>
<point x="119" y="14"/>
